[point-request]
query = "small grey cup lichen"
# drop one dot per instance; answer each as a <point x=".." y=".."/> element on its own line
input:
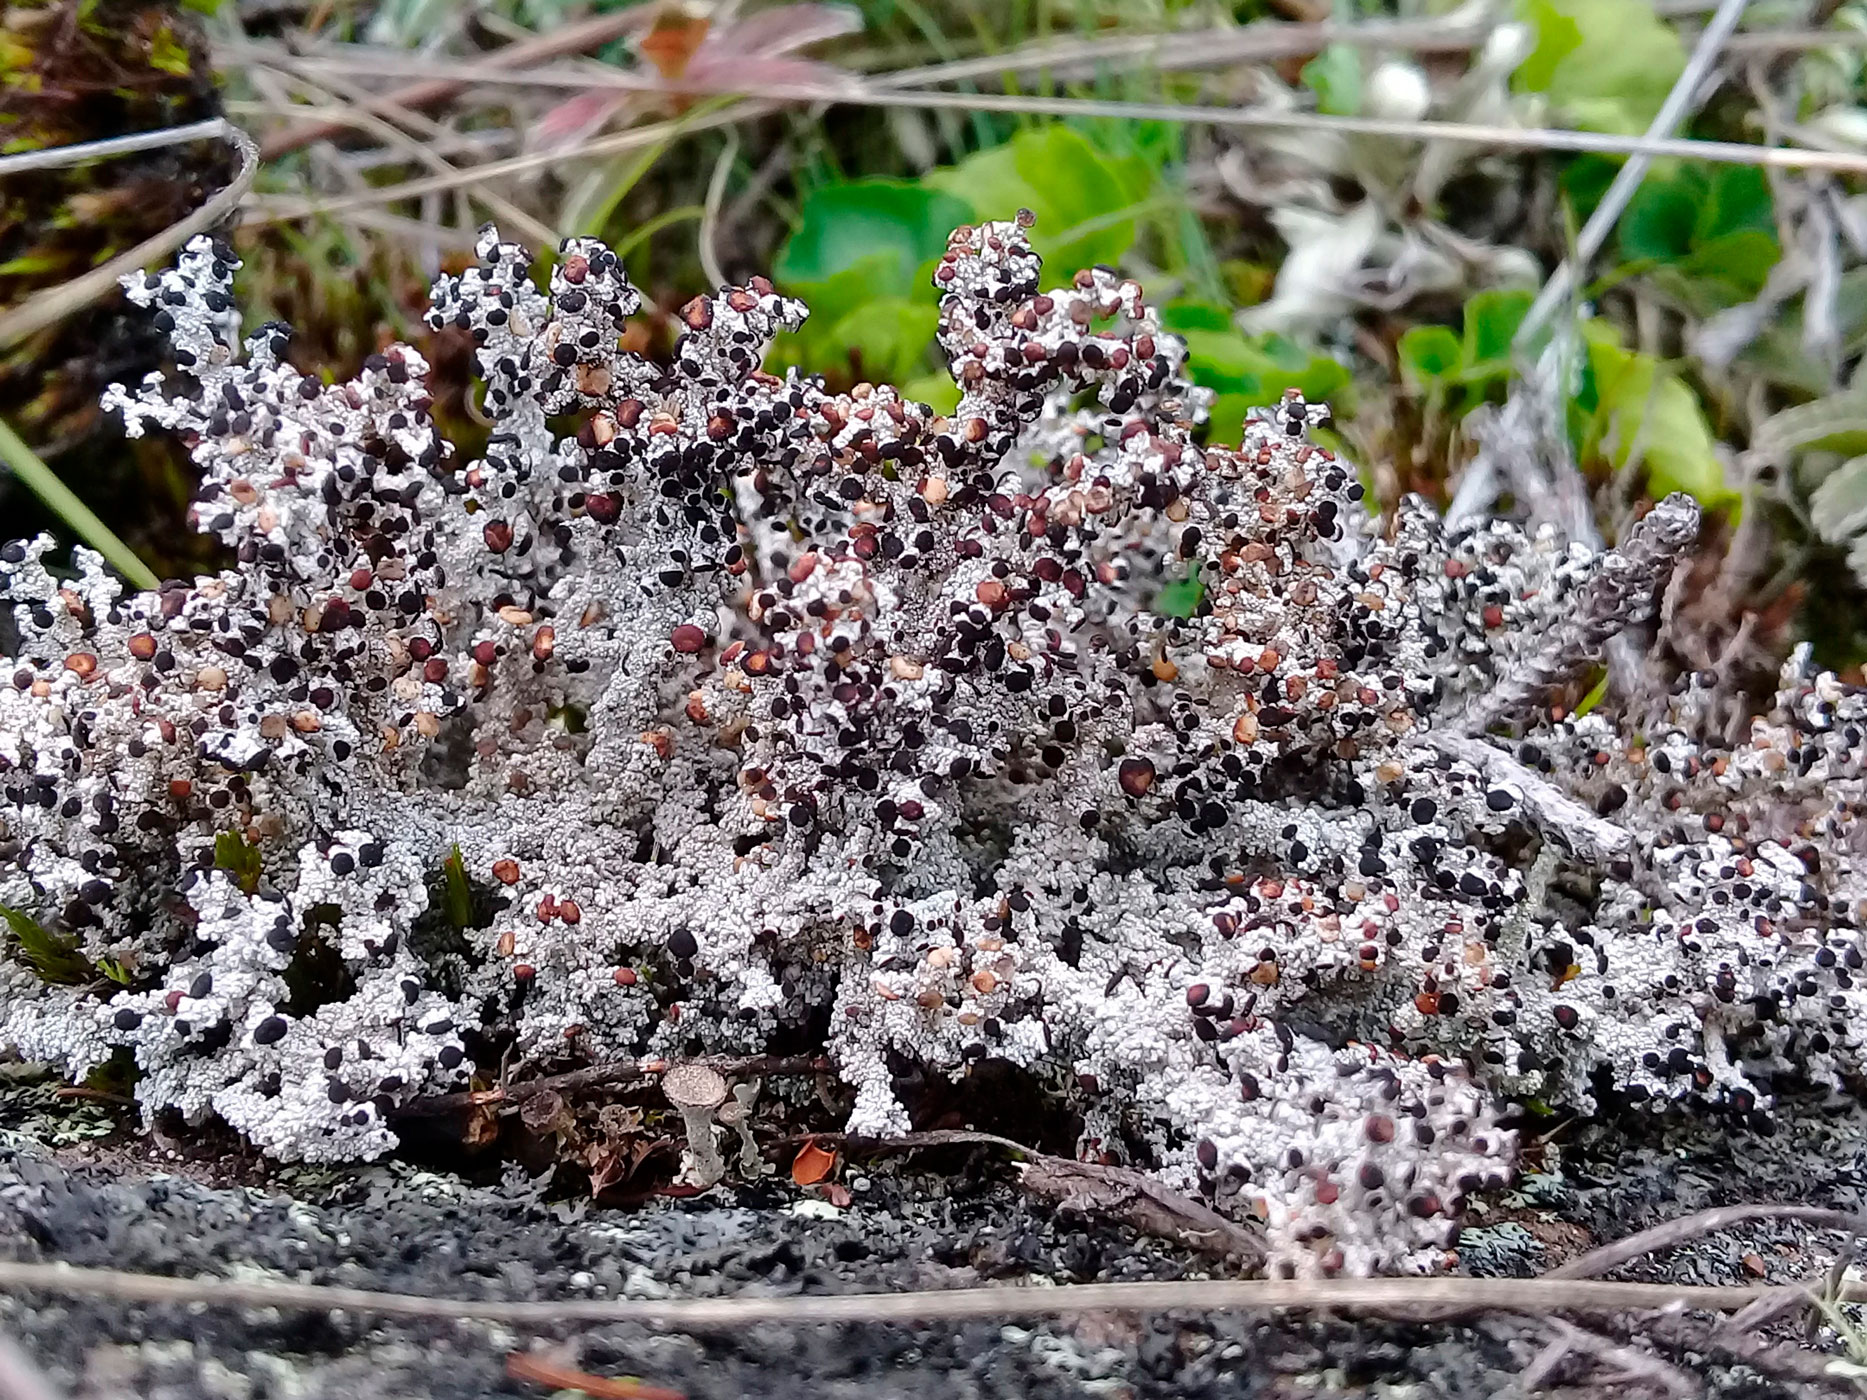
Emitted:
<point x="698" y="1091"/>
<point x="762" y="709"/>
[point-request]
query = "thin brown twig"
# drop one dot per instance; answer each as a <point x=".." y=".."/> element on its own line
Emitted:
<point x="611" y="1075"/>
<point x="1122" y="1194"/>
<point x="1633" y="1363"/>
<point x="1782" y="1362"/>
<point x="654" y="133"/>
<point x="1449" y="1296"/>
<point x="525" y="1366"/>
<point x="1673" y="1233"/>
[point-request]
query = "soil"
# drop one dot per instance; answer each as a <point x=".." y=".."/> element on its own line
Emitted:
<point x="76" y="1185"/>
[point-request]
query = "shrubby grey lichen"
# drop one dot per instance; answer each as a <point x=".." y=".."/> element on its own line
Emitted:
<point x="767" y="714"/>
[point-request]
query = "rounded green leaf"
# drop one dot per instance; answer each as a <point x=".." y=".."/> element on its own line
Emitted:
<point x="890" y="227"/>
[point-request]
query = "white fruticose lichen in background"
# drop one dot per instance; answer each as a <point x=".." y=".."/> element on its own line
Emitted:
<point x="762" y="716"/>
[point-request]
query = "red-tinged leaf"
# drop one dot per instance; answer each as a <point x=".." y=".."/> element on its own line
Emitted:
<point x="576" y="120"/>
<point x="728" y="71"/>
<point x="812" y="1164"/>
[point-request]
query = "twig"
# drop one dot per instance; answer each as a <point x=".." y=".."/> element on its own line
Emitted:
<point x="1626" y="587"/>
<point x="1452" y="1296"/>
<point x="1134" y="1198"/>
<point x="1674" y="110"/>
<point x="51" y="306"/>
<point x="63" y="502"/>
<point x="1673" y="1233"/>
<point x="878" y="93"/>
<point x="524" y="1366"/>
<point x="1554" y="812"/>
<point x="575" y="38"/>
<point x="1632" y="1362"/>
<point x="54" y="156"/>
<point x="1091" y="1188"/>
<point x="1783" y="1362"/>
<point x="411" y="230"/>
<point x="605" y="1076"/>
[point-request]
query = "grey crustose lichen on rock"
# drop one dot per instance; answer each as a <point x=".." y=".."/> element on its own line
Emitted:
<point x="758" y="708"/>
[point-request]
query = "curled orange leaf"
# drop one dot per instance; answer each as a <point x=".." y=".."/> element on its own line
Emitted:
<point x="812" y="1164"/>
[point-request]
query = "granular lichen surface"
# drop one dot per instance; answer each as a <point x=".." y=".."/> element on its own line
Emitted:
<point x="750" y="714"/>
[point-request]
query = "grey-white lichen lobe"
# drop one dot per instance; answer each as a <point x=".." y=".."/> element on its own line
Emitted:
<point x="784" y="708"/>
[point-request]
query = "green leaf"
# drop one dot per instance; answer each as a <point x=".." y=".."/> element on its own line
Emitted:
<point x="1604" y="65"/>
<point x="1248" y="371"/>
<point x="1077" y="193"/>
<point x="1661" y="220"/>
<point x="1180" y="598"/>
<point x="841" y="293"/>
<point x="1334" y="75"/>
<point x="1491" y="322"/>
<point x="458" y="894"/>
<point x="936" y="390"/>
<point x="1643" y="408"/>
<point x="883" y="340"/>
<point x="1713" y="234"/>
<point x="888" y="227"/>
<point x="55" y="957"/>
<point x="1428" y="354"/>
<point x="237" y="856"/>
<point x="1596" y="694"/>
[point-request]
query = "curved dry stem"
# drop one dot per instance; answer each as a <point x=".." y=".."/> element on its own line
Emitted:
<point x="54" y="304"/>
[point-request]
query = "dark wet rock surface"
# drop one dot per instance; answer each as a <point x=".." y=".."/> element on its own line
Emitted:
<point x="123" y="1203"/>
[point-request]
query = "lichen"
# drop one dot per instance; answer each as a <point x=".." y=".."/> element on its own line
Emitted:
<point x="746" y="708"/>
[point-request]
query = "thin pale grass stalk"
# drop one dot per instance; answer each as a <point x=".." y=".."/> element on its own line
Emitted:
<point x="569" y="39"/>
<point x="1673" y="111"/>
<point x="54" y="156"/>
<point x="51" y="306"/>
<point x="632" y="140"/>
<point x="409" y="230"/>
<point x="646" y="230"/>
<point x="1250" y="118"/>
<point x="710" y="217"/>
<point x="385" y="128"/>
<point x="63" y="502"/>
<point x="1440" y="1297"/>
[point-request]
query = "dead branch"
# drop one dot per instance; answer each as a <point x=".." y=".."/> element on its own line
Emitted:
<point x="1455" y="1297"/>
<point x="1117" y="1193"/>
<point x="1549" y="809"/>
<point x="1630" y="1362"/>
<point x="1673" y="1233"/>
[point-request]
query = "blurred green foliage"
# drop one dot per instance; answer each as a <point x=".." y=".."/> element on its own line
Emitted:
<point x="863" y="251"/>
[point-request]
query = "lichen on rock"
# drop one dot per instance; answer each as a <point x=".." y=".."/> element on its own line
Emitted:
<point x="759" y="708"/>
